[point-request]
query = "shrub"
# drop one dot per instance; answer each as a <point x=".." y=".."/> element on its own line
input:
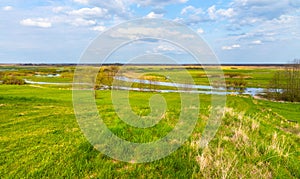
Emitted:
<point x="12" y="80"/>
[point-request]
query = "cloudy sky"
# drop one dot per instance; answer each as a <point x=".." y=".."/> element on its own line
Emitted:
<point x="238" y="31"/>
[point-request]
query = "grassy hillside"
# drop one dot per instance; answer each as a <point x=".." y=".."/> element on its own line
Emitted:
<point x="40" y="137"/>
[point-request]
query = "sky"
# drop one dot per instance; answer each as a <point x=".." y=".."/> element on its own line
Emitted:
<point x="238" y="31"/>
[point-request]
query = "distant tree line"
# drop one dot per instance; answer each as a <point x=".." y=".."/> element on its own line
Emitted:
<point x="285" y="84"/>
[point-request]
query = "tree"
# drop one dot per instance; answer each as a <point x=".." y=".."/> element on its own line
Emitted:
<point x="105" y="76"/>
<point x="285" y="84"/>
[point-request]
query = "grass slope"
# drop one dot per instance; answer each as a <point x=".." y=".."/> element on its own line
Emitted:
<point x="40" y="137"/>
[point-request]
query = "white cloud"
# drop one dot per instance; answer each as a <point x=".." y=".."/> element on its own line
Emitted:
<point x="193" y="15"/>
<point x="187" y="9"/>
<point x="80" y="17"/>
<point x="200" y="31"/>
<point x="179" y="20"/>
<point x="99" y="28"/>
<point x="226" y="12"/>
<point x="285" y="19"/>
<point x="154" y="15"/>
<point x="213" y="13"/>
<point x="226" y="48"/>
<point x="191" y="9"/>
<point x="137" y="32"/>
<point x="158" y="3"/>
<point x="82" y="22"/>
<point x="242" y="12"/>
<point x="120" y="8"/>
<point x="59" y="9"/>
<point x="257" y="11"/>
<point x="282" y="28"/>
<point x="7" y="8"/>
<point x="82" y="1"/>
<point x="256" y="42"/>
<point x="235" y="46"/>
<point x="38" y="22"/>
<point x="95" y="11"/>
<point x="167" y="48"/>
<point x="251" y="12"/>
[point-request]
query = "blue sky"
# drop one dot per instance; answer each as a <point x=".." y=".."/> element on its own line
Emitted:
<point x="239" y="31"/>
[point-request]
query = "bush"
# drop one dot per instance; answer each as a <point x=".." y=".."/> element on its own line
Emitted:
<point x="12" y="80"/>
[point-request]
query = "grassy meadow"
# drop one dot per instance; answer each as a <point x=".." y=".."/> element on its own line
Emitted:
<point x="40" y="136"/>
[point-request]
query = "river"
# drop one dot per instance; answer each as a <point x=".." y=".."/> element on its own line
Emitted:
<point x="199" y="89"/>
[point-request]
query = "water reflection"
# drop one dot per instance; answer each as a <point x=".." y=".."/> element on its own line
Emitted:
<point x="182" y="88"/>
<point x="201" y="89"/>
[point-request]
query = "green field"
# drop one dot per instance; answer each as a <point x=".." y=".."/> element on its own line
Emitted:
<point x="40" y="136"/>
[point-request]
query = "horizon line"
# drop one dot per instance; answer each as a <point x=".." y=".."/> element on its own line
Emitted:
<point x="143" y="64"/>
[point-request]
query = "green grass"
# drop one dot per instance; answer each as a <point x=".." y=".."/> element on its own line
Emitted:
<point x="40" y="138"/>
<point x="289" y="111"/>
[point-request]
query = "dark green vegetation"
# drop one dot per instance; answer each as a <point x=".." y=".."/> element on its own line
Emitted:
<point x="40" y="137"/>
<point x="285" y="84"/>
